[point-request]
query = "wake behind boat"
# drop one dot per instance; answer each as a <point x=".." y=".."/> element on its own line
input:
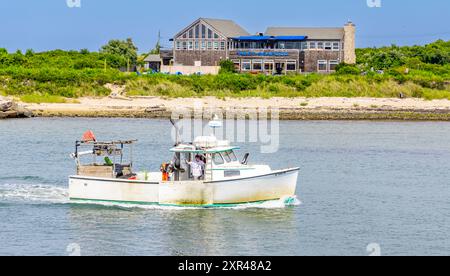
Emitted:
<point x="204" y="173"/>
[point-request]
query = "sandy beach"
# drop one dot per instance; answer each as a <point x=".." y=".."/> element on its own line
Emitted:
<point x="289" y="109"/>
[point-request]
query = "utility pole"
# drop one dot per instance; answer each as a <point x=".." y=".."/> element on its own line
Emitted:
<point x="158" y="44"/>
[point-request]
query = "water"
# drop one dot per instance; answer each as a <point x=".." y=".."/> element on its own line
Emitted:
<point x="361" y="183"/>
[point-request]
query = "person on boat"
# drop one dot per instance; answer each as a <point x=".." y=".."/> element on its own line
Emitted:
<point x="197" y="167"/>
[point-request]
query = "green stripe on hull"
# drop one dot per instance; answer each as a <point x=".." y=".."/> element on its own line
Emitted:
<point x="169" y="205"/>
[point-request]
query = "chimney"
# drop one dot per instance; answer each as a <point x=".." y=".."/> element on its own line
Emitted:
<point x="349" y="43"/>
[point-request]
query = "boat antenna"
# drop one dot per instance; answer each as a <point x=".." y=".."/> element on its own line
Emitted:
<point x="177" y="132"/>
<point x="215" y="123"/>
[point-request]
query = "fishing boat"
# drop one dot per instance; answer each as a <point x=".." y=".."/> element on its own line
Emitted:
<point x="203" y="173"/>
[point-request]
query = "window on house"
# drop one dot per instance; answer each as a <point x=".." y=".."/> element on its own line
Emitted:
<point x="312" y="45"/>
<point x="222" y="46"/>
<point x="328" y="46"/>
<point x="322" y="66"/>
<point x="246" y="65"/>
<point x="196" y="45"/>
<point x="184" y="45"/>
<point x="190" y="45"/>
<point x="257" y="65"/>
<point x="216" y="45"/>
<point x="178" y="45"/>
<point x="216" y="36"/>
<point x="209" y="45"/>
<point x="290" y="45"/>
<point x="336" y="46"/>
<point x="191" y="33"/>
<point x="185" y="35"/>
<point x="304" y="45"/>
<point x="210" y="34"/>
<point x="320" y="45"/>
<point x="268" y="65"/>
<point x="333" y="65"/>
<point x="197" y="31"/>
<point x="203" y="45"/>
<point x="203" y="31"/>
<point x="291" y="66"/>
<point x="237" y="64"/>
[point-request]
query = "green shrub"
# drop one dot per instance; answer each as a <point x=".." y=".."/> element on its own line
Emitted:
<point x="227" y="66"/>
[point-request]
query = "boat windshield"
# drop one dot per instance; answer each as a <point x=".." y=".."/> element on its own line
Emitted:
<point x="229" y="156"/>
<point x="218" y="160"/>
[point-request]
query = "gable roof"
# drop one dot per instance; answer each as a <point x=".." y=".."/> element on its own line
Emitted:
<point x="227" y="28"/>
<point x="311" y="33"/>
<point x="153" y="58"/>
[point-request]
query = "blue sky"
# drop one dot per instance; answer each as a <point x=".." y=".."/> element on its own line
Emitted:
<point x="51" y="24"/>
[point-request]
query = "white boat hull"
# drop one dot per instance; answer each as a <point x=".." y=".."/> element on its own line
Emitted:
<point x="272" y="186"/>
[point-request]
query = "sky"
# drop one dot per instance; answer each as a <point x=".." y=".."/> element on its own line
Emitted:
<point x="51" y="24"/>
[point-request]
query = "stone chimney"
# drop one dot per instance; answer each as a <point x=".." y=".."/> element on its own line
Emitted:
<point x="349" y="43"/>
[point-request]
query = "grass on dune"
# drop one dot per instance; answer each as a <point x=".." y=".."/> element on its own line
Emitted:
<point x="45" y="98"/>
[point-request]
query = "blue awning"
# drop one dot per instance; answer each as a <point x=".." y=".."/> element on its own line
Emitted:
<point x="253" y="38"/>
<point x="270" y="38"/>
<point x="291" y="38"/>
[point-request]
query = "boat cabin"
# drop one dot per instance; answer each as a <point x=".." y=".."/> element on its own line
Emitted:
<point x="218" y="160"/>
<point x="106" y="159"/>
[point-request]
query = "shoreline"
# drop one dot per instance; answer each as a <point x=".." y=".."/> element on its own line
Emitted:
<point x="289" y="109"/>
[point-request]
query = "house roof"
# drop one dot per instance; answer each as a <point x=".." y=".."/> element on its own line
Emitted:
<point x="311" y="33"/>
<point x="227" y="28"/>
<point x="153" y="58"/>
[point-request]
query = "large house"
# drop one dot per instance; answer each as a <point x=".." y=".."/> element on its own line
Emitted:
<point x="280" y="50"/>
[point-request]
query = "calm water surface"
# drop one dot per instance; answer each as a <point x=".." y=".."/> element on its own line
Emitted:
<point x="361" y="183"/>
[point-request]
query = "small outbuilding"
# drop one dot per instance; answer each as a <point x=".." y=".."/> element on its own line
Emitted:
<point x="153" y="62"/>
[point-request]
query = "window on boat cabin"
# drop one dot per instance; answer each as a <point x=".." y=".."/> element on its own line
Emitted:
<point x="229" y="156"/>
<point x="218" y="159"/>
